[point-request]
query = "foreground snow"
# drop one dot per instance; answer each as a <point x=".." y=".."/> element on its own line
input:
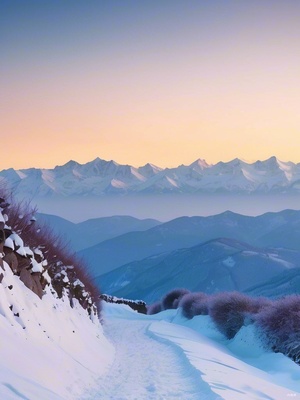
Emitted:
<point x="48" y="350"/>
<point x="61" y="355"/>
<point x="166" y="357"/>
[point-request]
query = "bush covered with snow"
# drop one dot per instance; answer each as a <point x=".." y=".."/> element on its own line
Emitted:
<point x="279" y="325"/>
<point x="172" y="299"/>
<point x="194" y="304"/>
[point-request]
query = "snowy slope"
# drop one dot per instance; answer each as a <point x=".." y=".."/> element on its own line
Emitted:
<point x="51" y="341"/>
<point x="100" y="178"/>
<point x="166" y="357"/>
<point x="61" y="355"/>
<point x="48" y="350"/>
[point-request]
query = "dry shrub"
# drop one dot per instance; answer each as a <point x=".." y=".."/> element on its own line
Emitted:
<point x="172" y="299"/>
<point x="229" y="310"/>
<point x="154" y="308"/>
<point x="193" y="304"/>
<point x="279" y="325"/>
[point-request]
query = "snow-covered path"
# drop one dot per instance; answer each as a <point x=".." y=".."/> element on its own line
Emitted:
<point x="157" y="358"/>
<point x="146" y="369"/>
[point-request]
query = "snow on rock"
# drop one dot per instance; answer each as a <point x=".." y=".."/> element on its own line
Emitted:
<point x="36" y="267"/>
<point x="52" y="345"/>
<point x="17" y="240"/>
<point x="9" y="243"/>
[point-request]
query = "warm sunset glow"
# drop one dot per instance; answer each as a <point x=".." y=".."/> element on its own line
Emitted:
<point x="162" y="82"/>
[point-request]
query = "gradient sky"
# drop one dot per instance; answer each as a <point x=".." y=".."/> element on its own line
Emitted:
<point x="160" y="81"/>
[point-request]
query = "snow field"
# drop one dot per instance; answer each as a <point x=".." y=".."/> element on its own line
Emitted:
<point x="145" y="368"/>
<point x="62" y="355"/>
<point x="48" y="350"/>
<point x="165" y="356"/>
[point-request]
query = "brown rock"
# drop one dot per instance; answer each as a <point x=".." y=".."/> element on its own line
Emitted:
<point x="25" y="277"/>
<point x="23" y="262"/>
<point x="11" y="259"/>
<point x="36" y="277"/>
<point x="1" y="264"/>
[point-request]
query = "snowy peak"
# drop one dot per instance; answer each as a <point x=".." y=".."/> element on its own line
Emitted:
<point x="100" y="177"/>
<point x="201" y="164"/>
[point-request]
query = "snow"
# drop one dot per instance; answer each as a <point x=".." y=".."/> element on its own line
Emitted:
<point x="38" y="252"/>
<point x="16" y="238"/>
<point x="236" y="369"/>
<point x="36" y="267"/>
<point x="49" y="350"/>
<point x="229" y="262"/>
<point x="275" y="258"/>
<point x="78" y="283"/>
<point x="21" y="174"/>
<point x="165" y="357"/>
<point x="9" y="243"/>
<point x="99" y="176"/>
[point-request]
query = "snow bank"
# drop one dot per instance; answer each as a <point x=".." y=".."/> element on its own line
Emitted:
<point x="48" y="350"/>
<point x="237" y="369"/>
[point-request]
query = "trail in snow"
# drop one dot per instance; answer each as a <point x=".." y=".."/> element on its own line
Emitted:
<point x="161" y="358"/>
<point x="147" y="369"/>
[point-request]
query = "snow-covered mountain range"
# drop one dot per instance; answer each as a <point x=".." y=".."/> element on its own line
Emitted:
<point x="100" y="177"/>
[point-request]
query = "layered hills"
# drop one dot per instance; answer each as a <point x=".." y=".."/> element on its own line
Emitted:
<point x="257" y="255"/>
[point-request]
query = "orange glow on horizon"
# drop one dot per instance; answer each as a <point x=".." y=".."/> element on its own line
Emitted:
<point x="206" y="87"/>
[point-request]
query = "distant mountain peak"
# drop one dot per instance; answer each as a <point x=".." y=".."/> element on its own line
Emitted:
<point x="100" y="178"/>
<point x="200" y="163"/>
<point x="69" y="164"/>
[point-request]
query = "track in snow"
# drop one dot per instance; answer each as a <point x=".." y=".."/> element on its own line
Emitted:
<point x="146" y="369"/>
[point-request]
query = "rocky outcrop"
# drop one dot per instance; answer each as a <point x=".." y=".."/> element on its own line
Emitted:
<point x="137" y="305"/>
<point x="38" y="260"/>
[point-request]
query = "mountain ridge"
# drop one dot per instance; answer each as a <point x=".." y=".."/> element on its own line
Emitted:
<point x="217" y="265"/>
<point x="101" y="178"/>
<point x="264" y="230"/>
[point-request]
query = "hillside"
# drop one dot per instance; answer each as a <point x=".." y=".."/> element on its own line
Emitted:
<point x="268" y="230"/>
<point x="93" y="231"/>
<point x="49" y="315"/>
<point x="215" y="266"/>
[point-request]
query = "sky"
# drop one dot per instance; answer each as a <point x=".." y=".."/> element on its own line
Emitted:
<point x="159" y="81"/>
